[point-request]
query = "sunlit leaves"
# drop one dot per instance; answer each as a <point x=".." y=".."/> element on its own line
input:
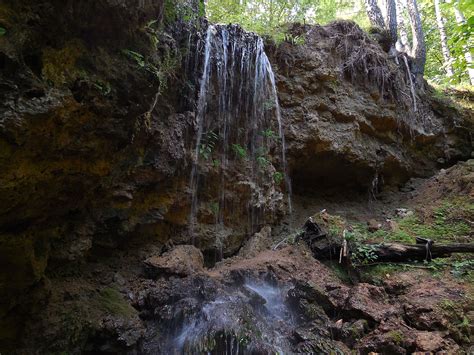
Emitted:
<point x="268" y="16"/>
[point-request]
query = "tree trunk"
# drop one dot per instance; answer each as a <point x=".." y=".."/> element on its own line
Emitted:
<point x="374" y="13"/>
<point x="391" y="19"/>
<point x="444" y="40"/>
<point x="418" y="52"/>
<point x="402" y="43"/>
<point x="467" y="53"/>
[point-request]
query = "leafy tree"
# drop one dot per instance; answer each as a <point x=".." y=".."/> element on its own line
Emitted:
<point x="464" y="34"/>
<point x="267" y="17"/>
<point x="459" y="37"/>
<point x="440" y="21"/>
<point x="434" y="53"/>
<point x="418" y="49"/>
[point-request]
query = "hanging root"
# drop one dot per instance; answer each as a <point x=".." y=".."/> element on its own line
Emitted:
<point x="364" y="60"/>
<point x="412" y="87"/>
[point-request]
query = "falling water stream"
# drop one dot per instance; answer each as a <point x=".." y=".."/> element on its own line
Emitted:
<point x="236" y="113"/>
<point x="253" y="318"/>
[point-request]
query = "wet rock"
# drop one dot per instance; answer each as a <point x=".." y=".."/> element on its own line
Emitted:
<point x="369" y="302"/>
<point x="118" y="334"/>
<point x="118" y="279"/>
<point x="310" y="300"/>
<point x="425" y="316"/>
<point x="182" y="260"/>
<point x="307" y="341"/>
<point x="257" y="243"/>
<point x="350" y="332"/>
<point x="394" y="285"/>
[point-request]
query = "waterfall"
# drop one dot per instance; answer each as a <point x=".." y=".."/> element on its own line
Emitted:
<point x="239" y="129"/>
<point x="221" y="325"/>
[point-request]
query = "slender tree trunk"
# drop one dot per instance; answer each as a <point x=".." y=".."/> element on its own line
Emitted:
<point x="391" y="19"/>
<point x="444" y="40"/>
<point x="374" y="13"/>
<point x="402" y="43"/>
<point x="418" y="52"/>
<point x="467" y="53"/>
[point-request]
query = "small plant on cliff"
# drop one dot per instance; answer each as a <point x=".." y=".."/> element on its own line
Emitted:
<point x="3" y="31"/>
<point x="268" y="105"/>
<point x="269" y="133"/>
<point x="396" y="336"/>
<point x="163" y="70"/>
<point x="214" y="207"/>
<point x="153" y="33"/>
<point x="239" y="151"/>
<point x="103" y="87"/>
<point x="209" y="141"/>
<point x="137" y="57"/>
<point x="278" y="177"/>
<point x="263" y="162"/>
<point x="364" y="254"/>
<point x="175" y="10"/>
<point x="111" y="301"/>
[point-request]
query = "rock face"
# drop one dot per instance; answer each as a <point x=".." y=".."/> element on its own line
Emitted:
<point x="97" y="134"/>
<point x="182" y="261"/>
<point x="91" y="131"/>
<point x="349" y="117"/>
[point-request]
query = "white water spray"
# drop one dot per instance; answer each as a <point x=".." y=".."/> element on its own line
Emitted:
<point x="233" y="114"/>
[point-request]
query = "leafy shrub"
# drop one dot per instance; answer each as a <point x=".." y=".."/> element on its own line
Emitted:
<point x="278" y="177"/>
<point x="239" y="151"/>
<point x="208" y="143"/>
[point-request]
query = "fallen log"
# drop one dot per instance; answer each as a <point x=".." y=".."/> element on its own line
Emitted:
<point x="394" y="252"/>
<point x="326" y="248"/>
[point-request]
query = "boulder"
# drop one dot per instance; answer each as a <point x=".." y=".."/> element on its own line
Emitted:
<point x="373" y="225"/>
<point x="257" y="243"/>
<point x="369" y="302"/>
<point x="183" y="260"/>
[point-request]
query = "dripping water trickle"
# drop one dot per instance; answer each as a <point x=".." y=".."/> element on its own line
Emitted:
<point x="236" y="86"/>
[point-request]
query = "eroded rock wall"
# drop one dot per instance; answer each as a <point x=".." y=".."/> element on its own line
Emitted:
<point x="350" y="116"/>
<point x="92" y="133"/>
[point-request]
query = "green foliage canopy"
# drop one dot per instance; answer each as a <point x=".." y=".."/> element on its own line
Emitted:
<point x="268" y="17"/>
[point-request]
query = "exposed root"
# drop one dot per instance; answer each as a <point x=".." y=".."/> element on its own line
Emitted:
<point x="412" y="88"/>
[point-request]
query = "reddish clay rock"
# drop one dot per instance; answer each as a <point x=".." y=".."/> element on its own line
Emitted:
<point x="183" y="260"/>
<point x="260" y="241"/>
<point x="434" y="341"/>
<point x="369" y="302"/>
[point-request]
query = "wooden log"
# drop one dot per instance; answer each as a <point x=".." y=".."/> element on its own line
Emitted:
<point x="326" y="248"/>
<point x="395" y="252"/>
<point x="404" y="252"/>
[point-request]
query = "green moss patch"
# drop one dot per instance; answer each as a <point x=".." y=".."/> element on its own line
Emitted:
<point x="112" y="302"/>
